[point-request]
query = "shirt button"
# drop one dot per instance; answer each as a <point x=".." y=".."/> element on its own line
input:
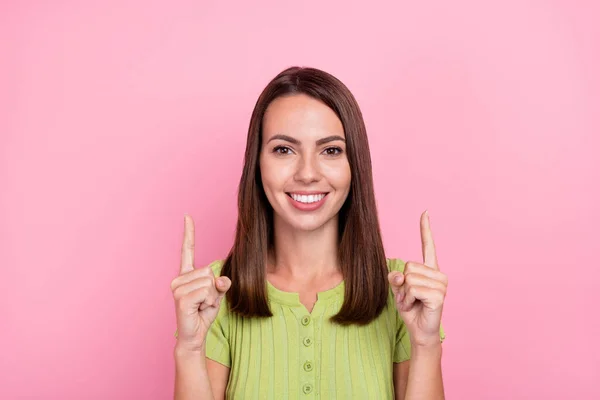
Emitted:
<point x="305" y="320"/>
<point x="308" y="366"/>
<point x="307" y="341"/>
<point x="307" y="388"/>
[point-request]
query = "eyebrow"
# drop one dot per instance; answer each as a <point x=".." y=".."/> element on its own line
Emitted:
<point x="297" y="142"/>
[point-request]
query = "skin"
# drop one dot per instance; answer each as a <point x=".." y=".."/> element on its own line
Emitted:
<point x="304" y="150"/>
<point x="197" y="294"/>
<point x="419" y="292"/>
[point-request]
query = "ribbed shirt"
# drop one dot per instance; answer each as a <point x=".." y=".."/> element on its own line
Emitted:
<point x="296" y="354"/>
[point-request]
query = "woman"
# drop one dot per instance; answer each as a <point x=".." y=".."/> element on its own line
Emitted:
<point x="312" y="307"/>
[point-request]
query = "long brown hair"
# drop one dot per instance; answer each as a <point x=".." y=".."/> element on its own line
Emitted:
<point x="361" y="253"/>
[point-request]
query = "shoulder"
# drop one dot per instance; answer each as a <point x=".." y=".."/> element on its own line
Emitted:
<point x="395" y="264"/>
<point x="224" y="312"/>
<point x="216" y="267"/>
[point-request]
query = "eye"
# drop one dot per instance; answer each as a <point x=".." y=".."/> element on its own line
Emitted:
<point x="282" y="150"/>
<point x="333" y="151"/>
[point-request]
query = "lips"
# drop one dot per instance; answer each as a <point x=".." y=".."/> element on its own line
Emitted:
<point x="307" y="198"/>
<point x="307" y="201"/>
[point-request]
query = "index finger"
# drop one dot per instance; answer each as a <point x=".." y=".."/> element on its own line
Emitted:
<point x="187" y="248"/>
<point x="429" y="256"/>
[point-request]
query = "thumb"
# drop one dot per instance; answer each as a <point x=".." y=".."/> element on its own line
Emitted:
<point x="222" y="284"/>
<point x="396" y="279"/>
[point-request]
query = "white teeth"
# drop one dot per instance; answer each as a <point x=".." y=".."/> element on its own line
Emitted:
<point x="312" y="198"/>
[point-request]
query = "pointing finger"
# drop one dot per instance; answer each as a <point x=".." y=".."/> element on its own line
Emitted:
<point x="187" y="249"/>
<point x="429" y="256"/>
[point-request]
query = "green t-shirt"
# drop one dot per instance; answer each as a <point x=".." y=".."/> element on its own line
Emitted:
<point x="300" y="355"/>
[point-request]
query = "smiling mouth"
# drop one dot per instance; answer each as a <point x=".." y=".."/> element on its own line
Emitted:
<point x="307" y="198"/>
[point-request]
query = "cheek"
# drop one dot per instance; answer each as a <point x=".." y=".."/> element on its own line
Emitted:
<point x="264" y="172"/>
<point x="340" y="176"/>
<point x="272" y="174"/>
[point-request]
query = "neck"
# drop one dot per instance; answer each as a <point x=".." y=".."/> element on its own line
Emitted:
<point x="305" y="255"/>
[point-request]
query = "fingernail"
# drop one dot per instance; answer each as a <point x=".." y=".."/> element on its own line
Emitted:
<point x="398" y="279"/>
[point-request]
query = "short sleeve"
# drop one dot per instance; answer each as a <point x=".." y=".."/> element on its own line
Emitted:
<point x="402" y="347"/>
<point x="217" y="340"/>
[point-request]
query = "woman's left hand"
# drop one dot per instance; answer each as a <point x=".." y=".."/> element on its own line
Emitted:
<point x="420" y="291"/>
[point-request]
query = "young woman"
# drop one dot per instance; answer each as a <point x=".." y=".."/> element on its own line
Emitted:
<point x="306" y="305"/>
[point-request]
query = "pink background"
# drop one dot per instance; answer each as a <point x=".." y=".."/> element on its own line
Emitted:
<point x="118" y="117"/>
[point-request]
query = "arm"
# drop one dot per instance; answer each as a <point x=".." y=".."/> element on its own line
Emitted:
<point x="197" y="377"/>
<point x="421" y="377"/>
<point x="198" y="295"/>
<point x="419" y="292"/>
<point x="401" y="371"/>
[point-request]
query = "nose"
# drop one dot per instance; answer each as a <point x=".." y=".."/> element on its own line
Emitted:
<point x="308" y="170"/>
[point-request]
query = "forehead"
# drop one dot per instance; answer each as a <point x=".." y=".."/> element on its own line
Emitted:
<point x="300" y="115"/>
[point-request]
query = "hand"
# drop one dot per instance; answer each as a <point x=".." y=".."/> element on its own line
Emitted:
<point x="419" y="292"/>
<point x="197" y="295"/>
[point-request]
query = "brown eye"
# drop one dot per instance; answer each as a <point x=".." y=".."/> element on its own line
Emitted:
<point x="333" y="151"/>
<point x="282" y="150"/>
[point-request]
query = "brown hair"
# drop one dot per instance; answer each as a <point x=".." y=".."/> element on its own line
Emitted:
<point x="361" y="253"/>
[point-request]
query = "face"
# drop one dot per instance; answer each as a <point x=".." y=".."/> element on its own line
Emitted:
<point x="303" y="163"/>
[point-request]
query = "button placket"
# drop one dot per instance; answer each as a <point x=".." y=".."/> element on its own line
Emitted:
<point x="307" y="351"/>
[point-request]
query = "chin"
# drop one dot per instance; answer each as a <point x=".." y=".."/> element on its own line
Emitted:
<point x="306" y="224"/>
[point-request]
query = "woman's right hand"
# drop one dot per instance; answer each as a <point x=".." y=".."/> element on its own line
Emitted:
<point x="197" y="294"/>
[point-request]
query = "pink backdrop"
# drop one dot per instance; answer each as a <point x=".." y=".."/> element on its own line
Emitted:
<point x="119" y="117"/>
